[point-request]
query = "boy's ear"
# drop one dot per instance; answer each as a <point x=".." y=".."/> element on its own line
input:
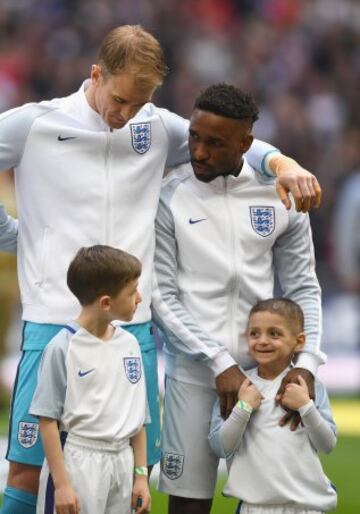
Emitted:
<point x="104" y="302"/>
<point x="300" y="341"/>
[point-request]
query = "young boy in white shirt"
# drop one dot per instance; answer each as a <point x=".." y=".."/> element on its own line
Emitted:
<point x="91" y="386"/>
<point x="272" y="469"/>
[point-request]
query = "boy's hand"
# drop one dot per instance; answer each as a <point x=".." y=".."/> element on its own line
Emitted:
<point x="291" y="416"/>
<point x="141" y="499"/>
<point x="66" y="501"/>
<point x="249" y="394"/>
<point x="296" y="395"/>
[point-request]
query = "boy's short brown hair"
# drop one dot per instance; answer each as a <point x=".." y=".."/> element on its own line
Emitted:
<point x="132" y="49"/>
<point x="101" y="270"/>
<point x="288" y="309"/>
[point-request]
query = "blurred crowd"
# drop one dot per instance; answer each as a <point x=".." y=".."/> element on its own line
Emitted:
<point x="300" y="58"/>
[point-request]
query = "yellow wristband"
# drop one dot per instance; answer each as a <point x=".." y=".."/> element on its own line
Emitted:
<point x="244" y="406"/>
<point x="141" y="471"/>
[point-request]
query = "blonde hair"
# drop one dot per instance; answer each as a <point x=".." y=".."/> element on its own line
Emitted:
<point x="132" y="49"/>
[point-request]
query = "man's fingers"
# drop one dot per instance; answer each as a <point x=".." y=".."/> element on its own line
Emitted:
<point x="223" y="405"/>
<point x="306" y="191"/>
<point x="295" y="421"/>
<point x="283" y="195"/>
<point x="230" y="402"/>
<point x="285" y="419"/>
<point x="291" y="417"/>
<point x="318" y="193"/>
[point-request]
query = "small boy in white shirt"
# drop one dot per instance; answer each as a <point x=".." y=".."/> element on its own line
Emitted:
<point x="272" y="469"/>
<point x="91" y="385"/>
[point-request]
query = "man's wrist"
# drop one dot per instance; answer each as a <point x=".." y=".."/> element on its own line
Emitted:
<point x="244" y="406"/>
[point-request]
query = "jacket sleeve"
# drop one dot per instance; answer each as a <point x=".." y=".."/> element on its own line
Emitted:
<point x="15" y="126"/>
<point x="8" y="232"/>
<point x="181" y="332"/>
<point x="294" y="263"/>
<point x="177" y="129"/>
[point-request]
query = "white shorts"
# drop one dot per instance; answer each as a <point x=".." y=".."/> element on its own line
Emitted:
<point x="101" y="476"/>
<point x="248" y="508"/>
<point x="188" y="466"/>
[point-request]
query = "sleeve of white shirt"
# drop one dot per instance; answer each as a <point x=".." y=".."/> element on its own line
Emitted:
<point x="177" y="129"/>
<point x="49" y="396"/>
<point x="318" y="420"/>
<point x="8" y="232"/>
<point x="294" y="263"/>
<point x="181" y="331"/>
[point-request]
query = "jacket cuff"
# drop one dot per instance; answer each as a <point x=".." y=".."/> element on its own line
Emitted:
<point x="265" y="168"/>
<point x="310" y="361"/>
<point x="221" y="362"/>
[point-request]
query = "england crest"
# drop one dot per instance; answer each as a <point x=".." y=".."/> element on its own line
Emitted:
<point x="140" y="136"/>
<point x="28" y="434"/>
<point x="172" y="465"/>
<point x="262" y="220"/>
<point x="133" y="369"/>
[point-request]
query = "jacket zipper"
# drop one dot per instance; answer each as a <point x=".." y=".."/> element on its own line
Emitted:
<point x="233" y="273"/>
<point x="107" y="191"/>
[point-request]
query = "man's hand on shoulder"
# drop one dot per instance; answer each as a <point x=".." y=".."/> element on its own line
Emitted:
<point x="293" y="417"/>
<point x="227" y="385"/>
<point x="293" y="178"/>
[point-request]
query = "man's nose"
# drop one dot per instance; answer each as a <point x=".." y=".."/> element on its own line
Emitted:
<point x="199" y="152"/>
<point x="127" y="112"/>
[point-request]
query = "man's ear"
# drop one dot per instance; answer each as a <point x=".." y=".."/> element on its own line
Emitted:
<point x="246" y="142"/>
<point x="95" y="74"/>
<point x="300" y="341"/>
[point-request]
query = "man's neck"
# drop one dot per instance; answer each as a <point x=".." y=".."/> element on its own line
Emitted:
<point x="90" y="96"/>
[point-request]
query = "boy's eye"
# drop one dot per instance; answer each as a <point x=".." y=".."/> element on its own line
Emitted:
<point x="275" y="333"/>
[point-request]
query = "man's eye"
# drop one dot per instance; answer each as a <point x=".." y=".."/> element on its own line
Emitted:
<point x="119" y="100"/>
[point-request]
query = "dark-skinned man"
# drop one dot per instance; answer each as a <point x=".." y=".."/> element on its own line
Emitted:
<point x="222" y="236"/>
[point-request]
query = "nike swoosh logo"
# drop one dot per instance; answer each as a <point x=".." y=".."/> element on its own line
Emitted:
<point x="61" y="138"/>
<point x="191" y="221"/>
<point x="83" y="373"/>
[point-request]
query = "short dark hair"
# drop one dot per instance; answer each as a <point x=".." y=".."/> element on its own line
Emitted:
<point x="101" y="270"/>
<point x="288" y="309"/>
<point x="229" y="101"/>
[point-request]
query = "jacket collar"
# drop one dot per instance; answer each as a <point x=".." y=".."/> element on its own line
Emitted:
<point x="90" y="118"/>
